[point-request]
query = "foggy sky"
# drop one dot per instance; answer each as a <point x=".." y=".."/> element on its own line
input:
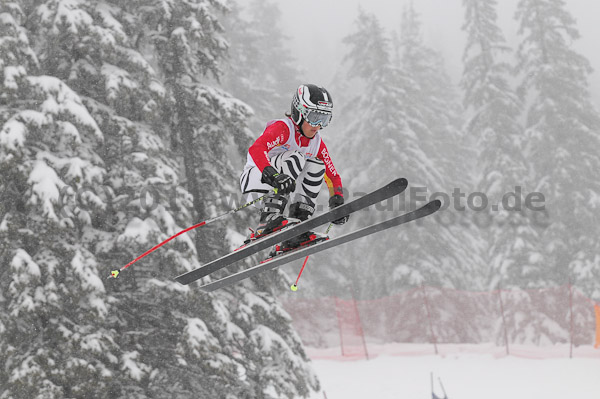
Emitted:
<point x="316" y="28"/>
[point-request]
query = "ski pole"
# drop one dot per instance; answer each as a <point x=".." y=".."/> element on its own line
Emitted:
<point x="115" y="273"/>
<point x="294" y="287"/>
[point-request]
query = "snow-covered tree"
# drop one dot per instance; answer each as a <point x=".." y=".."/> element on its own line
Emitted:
<point x="53" y="336"/>
<point x="260" y="67"/>
<point x="94" y="121"/>
<point x="370" y="113"/>
<point x="379" y="101"/>
<point x="432" y="104"/>
<point x="495" y="126"/>
<point x="210" y="131"/>
<point x="385" y="114"/>
<point x="433" y="113"/>
<point x="203" y="122"/>
<point x="562" y="143"/>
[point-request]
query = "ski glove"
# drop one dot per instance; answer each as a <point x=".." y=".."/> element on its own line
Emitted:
<point x="335" y="201"/>
<point x="282" y="183"/>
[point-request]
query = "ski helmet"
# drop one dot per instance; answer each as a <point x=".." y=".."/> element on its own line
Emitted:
<point x="313" y="104"/>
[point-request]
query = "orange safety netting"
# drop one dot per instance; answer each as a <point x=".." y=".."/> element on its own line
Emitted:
<point x="541" y="317"/>
<point x="597" y="310"/>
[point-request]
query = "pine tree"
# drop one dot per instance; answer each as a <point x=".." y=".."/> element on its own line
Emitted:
<point x="432" y="104"/>
<point x="562" y="127"/>
<point x="494" y="123"/>
<point x="260" y="69"/>
<point x="381" y="129"/>
<point x="381" y="98"/>
<point x="434" y="114"/>
<point x="187" y="41"/>
<point x="97" y="182"/>
<point x="405" y="139"/>
<point x="54" y="304"/>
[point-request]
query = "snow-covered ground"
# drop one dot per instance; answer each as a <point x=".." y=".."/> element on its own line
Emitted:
<point x="465" y="374"/>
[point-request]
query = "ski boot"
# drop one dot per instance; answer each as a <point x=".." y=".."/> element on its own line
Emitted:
<point x="271" y="218"/>
<point x="301" y="212"/>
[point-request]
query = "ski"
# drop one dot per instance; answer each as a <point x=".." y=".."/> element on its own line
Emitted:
<point x="280" y="260"/>
<point x="390" y="190"/>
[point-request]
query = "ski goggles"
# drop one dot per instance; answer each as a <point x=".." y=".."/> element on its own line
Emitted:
<point x="316" y="118"/>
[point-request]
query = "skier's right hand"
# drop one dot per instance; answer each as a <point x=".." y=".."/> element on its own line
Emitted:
<point x="282" y="183"/>
<point x="335" y="201"/>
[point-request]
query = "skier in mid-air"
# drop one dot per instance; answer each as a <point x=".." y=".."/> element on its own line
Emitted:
<point x="289" y="162"/>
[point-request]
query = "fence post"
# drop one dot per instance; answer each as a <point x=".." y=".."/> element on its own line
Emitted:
<point x="597" y="312"/>
<point x="429" y="318"/>
<point x="339" y="318"/>
<point x="503" y="320"/>
<point x="361" y="331"/>
<point x="571" y="317"/>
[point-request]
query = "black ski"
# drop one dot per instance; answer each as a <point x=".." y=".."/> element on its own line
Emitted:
<point x="387" y="191"/>
<point x="277" y="261"/>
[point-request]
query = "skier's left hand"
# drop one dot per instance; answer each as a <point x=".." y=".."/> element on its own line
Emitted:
<point x="335" y="201"/>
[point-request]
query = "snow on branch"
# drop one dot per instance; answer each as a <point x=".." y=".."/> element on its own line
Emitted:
<point x="45" y="187"/>
<point x="62" y="101"/>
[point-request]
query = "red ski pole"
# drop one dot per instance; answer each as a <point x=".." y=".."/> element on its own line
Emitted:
<point x="294" y="287"/>
<point x="115" y="273"/>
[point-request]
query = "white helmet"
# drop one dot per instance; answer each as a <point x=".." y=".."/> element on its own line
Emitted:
<point x="313" y="104"/>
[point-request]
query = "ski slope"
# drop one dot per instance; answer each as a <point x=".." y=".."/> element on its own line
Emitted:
<point x="463" y="375"/>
